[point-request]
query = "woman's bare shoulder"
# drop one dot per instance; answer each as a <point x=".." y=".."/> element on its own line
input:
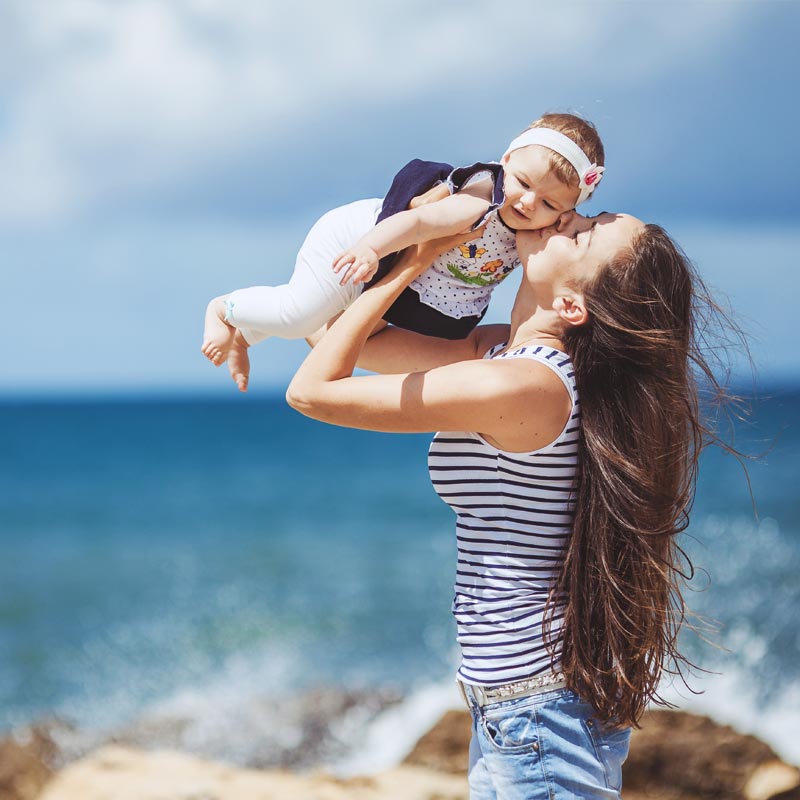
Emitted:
<point x="536" y="405"/>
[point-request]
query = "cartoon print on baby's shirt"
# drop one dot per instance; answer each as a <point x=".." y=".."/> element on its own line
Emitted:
<point x="471" y="250"/>
<point x="470" y="269"/>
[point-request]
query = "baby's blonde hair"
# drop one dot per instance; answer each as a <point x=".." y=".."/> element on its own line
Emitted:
<point x="582" y="132"/>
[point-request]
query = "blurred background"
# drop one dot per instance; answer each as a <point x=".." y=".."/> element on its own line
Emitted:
<point x="185" y="564"/>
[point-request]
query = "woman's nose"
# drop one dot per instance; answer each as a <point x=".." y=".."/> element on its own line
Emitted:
<point x="565" y="219"/>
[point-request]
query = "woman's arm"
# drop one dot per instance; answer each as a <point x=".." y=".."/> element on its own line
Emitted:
<point x="395" y="349"/>
<point x="518" y="404"/>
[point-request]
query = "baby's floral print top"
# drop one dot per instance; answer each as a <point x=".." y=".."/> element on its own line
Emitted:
<point x="461" y="280"/>
<point x="470" y="268"/>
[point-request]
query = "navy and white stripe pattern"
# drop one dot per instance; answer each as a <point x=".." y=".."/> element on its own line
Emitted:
<point x="514" y="516"/>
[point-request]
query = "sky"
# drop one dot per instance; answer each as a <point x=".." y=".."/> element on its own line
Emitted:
<point x="156" y="154"/>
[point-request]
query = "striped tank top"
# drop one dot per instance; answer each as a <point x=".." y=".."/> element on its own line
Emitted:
<point x="514" y="515"/>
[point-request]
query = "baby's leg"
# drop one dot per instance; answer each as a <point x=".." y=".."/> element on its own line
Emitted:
<point x="313" y="294"/>
<point x="217" y="334"/>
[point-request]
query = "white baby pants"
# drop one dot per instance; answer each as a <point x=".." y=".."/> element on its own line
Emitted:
<point x="313" y="294"/>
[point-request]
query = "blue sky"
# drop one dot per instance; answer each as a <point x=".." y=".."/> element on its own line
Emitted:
<point x="156" y="154"/>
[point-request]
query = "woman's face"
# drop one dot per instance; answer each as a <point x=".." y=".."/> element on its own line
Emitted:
<point x="574" y="249"/>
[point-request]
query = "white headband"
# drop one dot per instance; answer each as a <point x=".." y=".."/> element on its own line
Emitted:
<point x="589" y="174"/>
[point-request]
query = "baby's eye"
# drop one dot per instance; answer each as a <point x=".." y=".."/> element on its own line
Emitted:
<point x="523" y="184"/>
<point x="549" y="205"/>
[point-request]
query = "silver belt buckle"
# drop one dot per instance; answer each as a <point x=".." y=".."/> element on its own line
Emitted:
<point x="525" y="687"/>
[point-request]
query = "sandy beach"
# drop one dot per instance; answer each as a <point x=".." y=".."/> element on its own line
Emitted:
<point x="674" y="755"/>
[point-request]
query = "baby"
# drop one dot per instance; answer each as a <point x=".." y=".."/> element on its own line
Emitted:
<point x="551" y="167"/>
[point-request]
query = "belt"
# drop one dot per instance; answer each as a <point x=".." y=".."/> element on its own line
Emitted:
<point x="509" y="691"/>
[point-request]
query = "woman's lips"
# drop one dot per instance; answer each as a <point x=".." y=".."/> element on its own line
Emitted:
<point x="548" y="231"/>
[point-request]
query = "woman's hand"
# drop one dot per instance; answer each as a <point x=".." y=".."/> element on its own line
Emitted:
<point x="438" y="192"/>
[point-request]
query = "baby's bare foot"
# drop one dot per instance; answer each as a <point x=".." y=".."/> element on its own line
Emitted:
<point x="217" y="335"/>
<point x="239" y="361"/>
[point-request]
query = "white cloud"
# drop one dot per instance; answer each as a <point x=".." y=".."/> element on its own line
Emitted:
<point x="110" y="99"/>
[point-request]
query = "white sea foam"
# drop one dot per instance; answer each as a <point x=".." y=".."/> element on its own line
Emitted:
<point x="233" y="715"/>
<point x="394" y="732"/>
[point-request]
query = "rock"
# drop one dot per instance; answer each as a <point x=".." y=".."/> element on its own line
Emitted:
<point x="770" y="779"/>
<point x="25" y="764"/>
<point x="690" y="757"/>
<point x="445" y="747"/>
<point x="790" y="794"/>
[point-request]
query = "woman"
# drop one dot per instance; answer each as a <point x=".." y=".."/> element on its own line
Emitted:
<point x="567" y="600"/>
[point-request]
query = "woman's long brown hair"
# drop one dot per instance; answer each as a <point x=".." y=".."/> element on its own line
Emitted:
<point x="637" y="363"/>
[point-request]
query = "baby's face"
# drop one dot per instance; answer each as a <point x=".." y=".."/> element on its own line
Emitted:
<point x="535" y="197"/>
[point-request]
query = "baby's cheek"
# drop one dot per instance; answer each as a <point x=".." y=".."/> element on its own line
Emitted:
<point x="544" y="219"/>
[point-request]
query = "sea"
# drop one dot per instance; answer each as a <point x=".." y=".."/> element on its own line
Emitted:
<point x="225" y="576"/>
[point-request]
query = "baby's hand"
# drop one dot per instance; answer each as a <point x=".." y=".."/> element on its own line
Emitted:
<point x="360" y="263"/>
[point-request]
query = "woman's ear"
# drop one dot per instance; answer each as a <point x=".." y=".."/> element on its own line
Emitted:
<point x="572" y="309"/>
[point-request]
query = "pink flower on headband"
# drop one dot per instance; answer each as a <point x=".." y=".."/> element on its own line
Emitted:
<point x="591" y="177"/>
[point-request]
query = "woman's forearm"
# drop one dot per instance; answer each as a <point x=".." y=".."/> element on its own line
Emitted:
<point x="336" y="354"/>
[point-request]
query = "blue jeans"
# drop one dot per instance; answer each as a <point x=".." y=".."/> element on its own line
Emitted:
<point x="547" y="746"/>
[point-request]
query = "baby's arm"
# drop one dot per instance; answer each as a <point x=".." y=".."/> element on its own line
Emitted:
<point x="452" y="215"/>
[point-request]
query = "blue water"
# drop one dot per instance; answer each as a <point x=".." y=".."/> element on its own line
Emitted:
<point x="155" y="545"/>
